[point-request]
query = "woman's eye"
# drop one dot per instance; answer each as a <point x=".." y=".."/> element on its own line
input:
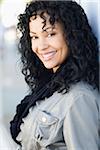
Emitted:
<point x="34" y="37"/>
<point x="51" y="34"/>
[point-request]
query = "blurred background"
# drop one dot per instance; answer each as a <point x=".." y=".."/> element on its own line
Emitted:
<point x="12" y="85"/>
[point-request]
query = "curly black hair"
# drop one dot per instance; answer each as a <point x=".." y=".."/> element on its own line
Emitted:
<point x="82" y="64"/>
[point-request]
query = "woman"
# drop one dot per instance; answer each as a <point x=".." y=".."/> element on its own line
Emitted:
<point x="59" y="53"/>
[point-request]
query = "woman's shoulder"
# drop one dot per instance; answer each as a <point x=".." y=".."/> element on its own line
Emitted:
<point x="83" y="88"/>
<point x="82" y="91"/>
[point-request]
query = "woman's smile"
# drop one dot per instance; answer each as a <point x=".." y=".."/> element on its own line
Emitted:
<point x="48" y="55"/>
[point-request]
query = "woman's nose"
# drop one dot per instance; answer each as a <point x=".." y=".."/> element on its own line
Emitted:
<point x="43" y="44"/>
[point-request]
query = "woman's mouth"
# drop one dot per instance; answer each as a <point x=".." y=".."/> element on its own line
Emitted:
<point x="49" y="55"/>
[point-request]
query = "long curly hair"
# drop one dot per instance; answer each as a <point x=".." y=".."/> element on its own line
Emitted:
<point x="82" y="64"/>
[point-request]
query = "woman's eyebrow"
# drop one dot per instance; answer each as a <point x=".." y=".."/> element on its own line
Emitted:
<point x="32" y="32"/>
<point x="51" y="27"/>
<point x="48" y="28"/>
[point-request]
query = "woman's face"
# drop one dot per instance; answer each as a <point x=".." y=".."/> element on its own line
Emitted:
<point x="48" y="43"/>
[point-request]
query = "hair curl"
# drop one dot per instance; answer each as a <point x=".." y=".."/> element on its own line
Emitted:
<point x="82" y="63"/>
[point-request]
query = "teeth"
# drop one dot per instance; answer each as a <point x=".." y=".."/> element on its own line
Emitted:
<point x="48" y="55"/>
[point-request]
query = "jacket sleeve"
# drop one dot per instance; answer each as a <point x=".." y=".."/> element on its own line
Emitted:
<point x="80" y="127"/>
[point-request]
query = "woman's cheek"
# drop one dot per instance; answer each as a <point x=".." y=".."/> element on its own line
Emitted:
<point x="54" y="41"/>
<point x="34" y="46"/>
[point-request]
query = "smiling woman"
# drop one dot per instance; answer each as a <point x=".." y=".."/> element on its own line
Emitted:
<point x="48" y="42"/>
<point x="59" y="54"/>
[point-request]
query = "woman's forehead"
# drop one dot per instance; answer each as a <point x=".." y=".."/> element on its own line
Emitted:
<point x="41" y="14"/>
<point x="37" y="25"/>
<point x="38" y="22"/>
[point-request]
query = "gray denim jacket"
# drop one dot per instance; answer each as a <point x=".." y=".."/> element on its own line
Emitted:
<point x="63" y="122"/>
